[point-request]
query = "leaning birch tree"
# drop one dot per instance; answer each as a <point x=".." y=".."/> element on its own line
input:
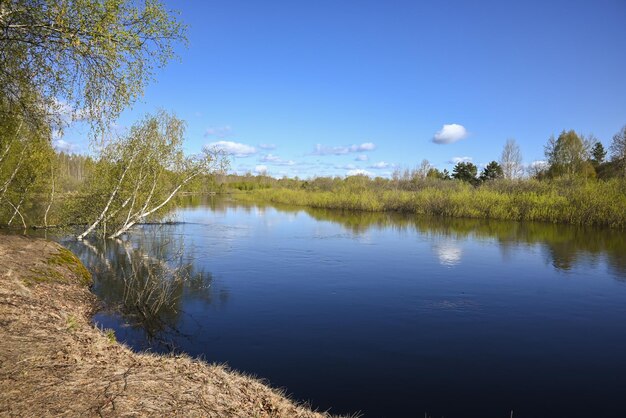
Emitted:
<point x="139" y="175"/>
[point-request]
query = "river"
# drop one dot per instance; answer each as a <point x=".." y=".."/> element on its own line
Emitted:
<point x="386" y="314"/>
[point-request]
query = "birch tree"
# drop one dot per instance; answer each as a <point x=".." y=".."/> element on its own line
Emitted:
<point x="86" y="58"/>
<point x="138" y="175"/>
<point x="511" y="160"/>
<point x="618" y="150"/>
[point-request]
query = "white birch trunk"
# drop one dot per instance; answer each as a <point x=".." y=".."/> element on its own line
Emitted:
<point x="106" y="208"/>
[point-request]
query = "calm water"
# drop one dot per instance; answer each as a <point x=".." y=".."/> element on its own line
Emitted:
<point x="388" y="315"/>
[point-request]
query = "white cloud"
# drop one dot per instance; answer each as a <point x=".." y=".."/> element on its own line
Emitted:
<point x="276" y="160"/>
<point x="456" y="160"/>
<point x="367" y="146"/>
<point x="69" y="113"/>
<point x="233" y="148"/>
<point x="323" y="150"/>
<point x="537" y="167"/>
<point x="270" y="158"/>
<point x="267" y="146"/>
<point x="361" y="157"/>
<point x="450" y="133"/>
<point x="260" y="169"/>
<point x="380" y="165"/>
<point x="65" y="146"/>
<point x="218" y="131"/>
<point x="358" y="172"/>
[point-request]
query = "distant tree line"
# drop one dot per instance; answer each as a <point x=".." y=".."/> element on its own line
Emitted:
<point x="570" y="155"/>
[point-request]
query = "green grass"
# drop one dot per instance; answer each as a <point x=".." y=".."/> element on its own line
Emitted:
<point x="110" y="334"/>
<point x="598" y="203"/>
<point x="65" y="258"/>
<point x="51" y="273"/>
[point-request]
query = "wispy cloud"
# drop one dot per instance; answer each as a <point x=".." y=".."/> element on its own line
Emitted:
<point x="456" y="160"/>
<point x="260" y="169"/>
<point x="267" y="146"/>
<point x="361" y="157"/>
<point x="449" y="134"/>
<point x="276" y="160"/>
<point x="236" y="149"/>
<point x="324" y="150"/>
<point x="345" y="167"/>
<point x="380" y="165"/>
<point x="217" y="131"/>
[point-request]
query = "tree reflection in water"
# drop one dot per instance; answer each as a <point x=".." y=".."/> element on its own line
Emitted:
<point x="564" y="246"/>
<point x="144" y="278"/>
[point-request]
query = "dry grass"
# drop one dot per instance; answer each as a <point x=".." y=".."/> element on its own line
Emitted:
<point x="53" y="362"/>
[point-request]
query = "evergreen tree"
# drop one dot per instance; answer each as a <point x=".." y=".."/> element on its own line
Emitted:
<point x="597" y="154"/>
<point x="465" y="171"/>
<point x="492" y="171"/>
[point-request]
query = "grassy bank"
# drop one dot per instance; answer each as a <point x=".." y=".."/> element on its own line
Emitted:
<point x="573" y="202"/>
<point x="54" y="362"/>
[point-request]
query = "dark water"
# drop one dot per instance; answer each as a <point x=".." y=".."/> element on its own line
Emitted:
<point x="388" y="315"/>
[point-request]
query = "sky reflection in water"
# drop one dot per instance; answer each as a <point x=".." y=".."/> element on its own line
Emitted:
<point x="388" y="314"/>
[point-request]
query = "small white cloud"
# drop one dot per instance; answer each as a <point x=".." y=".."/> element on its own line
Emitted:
<point x="276" y="160"/>
<point x="64" y="146"/>
<point x="323" y="150"/>
<point x="456" y="160"/>
<point x="361" y="157"/>
<point x="450" y="133"/>
<point x="217" y="131"/>
<point x="380" y="165"/>
<point x="267" y="146"/>
<point x="358" y="172"/>
<point x="367" y="146"/>
<point x="233" y="148"/>
<point x="270" y="158"/>
<point x="260" y="169"/>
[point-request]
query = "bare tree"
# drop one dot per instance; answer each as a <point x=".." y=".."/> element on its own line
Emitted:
<point x="423" y="169"/>
<point x="511" y="160"/>
<point x="618" y="150"/>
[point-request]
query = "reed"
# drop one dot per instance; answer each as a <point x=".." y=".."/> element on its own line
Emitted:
<point x="601" y="203"/>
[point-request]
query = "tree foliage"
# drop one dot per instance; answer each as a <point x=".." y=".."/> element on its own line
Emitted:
<point x="618" y="151"/>
<point x="139" y="174"/>
<point x="492" y="171"/>
<point x="89" y="58"/>
<point x="568" y="156"/>
<point x="25" y="162"/>
<point x="465" y="171"/>
<point x="598" y="153"/>
<point x="434" y="173"/>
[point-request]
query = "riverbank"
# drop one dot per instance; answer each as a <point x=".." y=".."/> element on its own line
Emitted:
<point x="593" y="203"/>
<point x="54" y="362"/>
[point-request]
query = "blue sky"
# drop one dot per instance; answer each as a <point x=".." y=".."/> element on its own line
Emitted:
<point x="327" y="87"/>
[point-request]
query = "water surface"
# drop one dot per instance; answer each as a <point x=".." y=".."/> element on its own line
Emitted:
<point x="385" y="314"/>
